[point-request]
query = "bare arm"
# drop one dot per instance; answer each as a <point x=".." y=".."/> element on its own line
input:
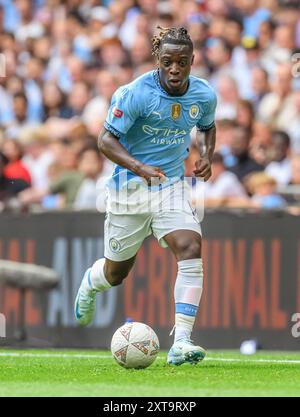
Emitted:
<point x="203" y="166"/>
<point x="110" y="146"/>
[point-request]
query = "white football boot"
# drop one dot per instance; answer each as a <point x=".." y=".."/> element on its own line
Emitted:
<point x="85" y="303"/>
<point x="185" y="351"/>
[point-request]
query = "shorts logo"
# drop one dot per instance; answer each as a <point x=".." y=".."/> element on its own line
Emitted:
<point x="114" y="245"/>
<point x="176" y="111"/>
<point x="194" y="111"/>
<point x="117" y="112"/>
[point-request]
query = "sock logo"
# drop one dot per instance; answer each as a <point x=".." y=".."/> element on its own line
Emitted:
<point x="187" y="309"/>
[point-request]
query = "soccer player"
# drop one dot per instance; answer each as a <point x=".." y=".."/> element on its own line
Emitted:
<point x="147" y="135"/>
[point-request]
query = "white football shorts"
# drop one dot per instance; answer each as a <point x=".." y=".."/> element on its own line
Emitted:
<point x="135" y="214"/>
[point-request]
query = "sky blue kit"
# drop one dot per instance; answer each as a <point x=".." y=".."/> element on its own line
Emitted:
<point x="155" y="127"/>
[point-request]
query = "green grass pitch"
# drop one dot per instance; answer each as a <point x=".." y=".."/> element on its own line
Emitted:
<point x="95" y="373"/>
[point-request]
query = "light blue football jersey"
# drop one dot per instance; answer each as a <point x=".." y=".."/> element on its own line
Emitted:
<point x="155" y="127"/>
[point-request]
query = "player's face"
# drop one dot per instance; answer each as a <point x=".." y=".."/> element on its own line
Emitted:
<point x="175" y="63"/>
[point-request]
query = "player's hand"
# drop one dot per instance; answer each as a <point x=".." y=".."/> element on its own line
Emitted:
<point x="203" y="169"/>
<point x="152" y="175"/>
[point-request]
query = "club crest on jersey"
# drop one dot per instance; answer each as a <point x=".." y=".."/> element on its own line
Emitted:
<point x="176" y="111"/>
<point x="114" y="245"/>
<point x="117" y="112"/>
<point x="194" y="111"/>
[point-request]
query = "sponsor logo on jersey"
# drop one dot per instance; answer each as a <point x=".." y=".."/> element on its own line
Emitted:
<point x="117" y="112"/>
<point x="194" y="111"/>
<point x="164" y="131"/>
<point x="174" y="141"/>
<point x="176" y="111"/>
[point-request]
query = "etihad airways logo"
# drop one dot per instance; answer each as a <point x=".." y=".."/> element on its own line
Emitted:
<point x="161" y="141"/>
<point x="164" y="132"/>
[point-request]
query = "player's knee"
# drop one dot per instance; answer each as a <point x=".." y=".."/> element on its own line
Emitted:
<point x="115" y="277"/>
<point x="189" y="249"/>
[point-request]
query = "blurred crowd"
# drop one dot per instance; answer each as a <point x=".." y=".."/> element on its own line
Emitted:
<point x="61" y="61"/>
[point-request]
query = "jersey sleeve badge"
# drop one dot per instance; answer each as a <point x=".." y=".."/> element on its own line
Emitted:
<point x="117" y="112"/>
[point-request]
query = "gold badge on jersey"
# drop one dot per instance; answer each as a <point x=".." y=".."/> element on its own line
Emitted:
<point x="176" y="111"/>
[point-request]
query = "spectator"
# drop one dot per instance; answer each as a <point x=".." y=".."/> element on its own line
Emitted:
<point x="78" y="98"/>
<point x="244" y="163"/>
<point x="266" y="35"/>
<point x="37" y="156"/>
<point x="222" y="186"/>
<point x="21" y="115"/>
<point x="280" y="166"/>
<point x="80" y="42"/>
<point x="95" y="110"/>
<point x="263" y="190"/>
<point x="245" y="114"/>
<point x="259" y="85"/>
<point x="15" y="168"/>
<point x="9" y="188"/>
<point x="67" y="183"/>
<point x="249" y="58"/>
<point x="34" y="69"/>
<point x="219" y="54"/>
<point x="140" y="51"/>
<point x="112" y="54"/>
<point x="233" y="33"/>
<point x="260" y="142"/>
<point x="280" y="49"/>
<point x="293" y="189"/>
<point x="89" y="195"/>
<point x="54" y="102"/>
<point x="225" y="129"/>
<point x="295" y="170"/>
<point x="253" y="15"/>
<point x="228" y="96"/>
<point x="28" y="27"/>
<point x="294" y="128"/>
<point x="278" y="107"/>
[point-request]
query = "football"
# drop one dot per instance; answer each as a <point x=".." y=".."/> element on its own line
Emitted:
<point x="135" y="345"/>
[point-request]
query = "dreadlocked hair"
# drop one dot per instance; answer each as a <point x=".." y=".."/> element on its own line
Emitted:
<point x="170" y="35"/>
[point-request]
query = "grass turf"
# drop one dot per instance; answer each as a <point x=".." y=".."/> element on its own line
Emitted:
<point x="91" y="373"/>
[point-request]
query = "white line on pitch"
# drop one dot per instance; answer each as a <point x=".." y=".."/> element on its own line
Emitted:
<point x="99" y="356"/>
<point x="248" y="360"/>
<point x="53" y="355"/>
